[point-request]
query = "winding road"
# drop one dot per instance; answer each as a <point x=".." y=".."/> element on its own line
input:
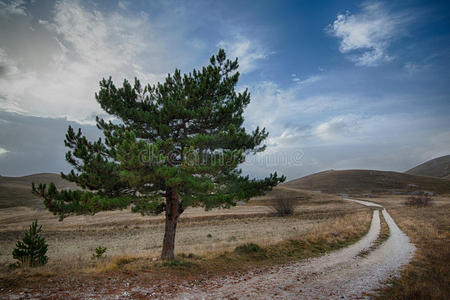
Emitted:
<point x="341" y="274"/>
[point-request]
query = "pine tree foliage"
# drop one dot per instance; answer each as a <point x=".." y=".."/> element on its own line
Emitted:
<point x="175" y="144"/>
<point x="31" y="250"/>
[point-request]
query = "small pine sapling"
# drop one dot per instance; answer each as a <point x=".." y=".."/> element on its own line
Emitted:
<point x="31" y="250"/>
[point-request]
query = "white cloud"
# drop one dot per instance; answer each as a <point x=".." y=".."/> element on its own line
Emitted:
<point x="14" y="7"/>
<point x="289" y="103"/>
<point x="3" y="151"/>
<point x="302" y="116"/>
<point x="345" y="126"/>
<point x="368" y="34"/>
<point x="338" y="128"/>
<point x="91" y="45"/>
<point x="290" y="116"/>
<point x="249" y="52"/>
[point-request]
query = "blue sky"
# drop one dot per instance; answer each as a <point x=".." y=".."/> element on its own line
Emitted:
<point x="338" y="84"/>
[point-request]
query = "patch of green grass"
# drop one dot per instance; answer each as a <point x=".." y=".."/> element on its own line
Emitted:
<point x="251" y="251"/>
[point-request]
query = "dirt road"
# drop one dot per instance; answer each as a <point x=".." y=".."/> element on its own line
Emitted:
<point x="338" y="275"/>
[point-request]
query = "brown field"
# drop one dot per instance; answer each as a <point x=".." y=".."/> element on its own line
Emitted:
<point x="72" y="241"/>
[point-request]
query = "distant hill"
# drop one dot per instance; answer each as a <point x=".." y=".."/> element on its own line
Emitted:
<point x="438" y="167"/>
<point x="369" y="181"/>
<point x="16" y="191"/>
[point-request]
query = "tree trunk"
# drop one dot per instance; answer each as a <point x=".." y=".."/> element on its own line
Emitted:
<point x="173" y="211"/>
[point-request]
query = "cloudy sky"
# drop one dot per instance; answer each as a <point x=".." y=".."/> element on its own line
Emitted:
<point x="338" y="84"/>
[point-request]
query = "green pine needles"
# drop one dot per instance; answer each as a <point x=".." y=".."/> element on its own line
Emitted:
<point x="169" y="146"/>
<point x="66" y="202"/>
<point x="31" y="250"/>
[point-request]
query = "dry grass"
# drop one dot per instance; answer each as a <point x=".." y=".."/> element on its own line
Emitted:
<point x="319" y="225"/>
<point x="337" y="232"/>
<point x="72" y="241"/>
<point x="74" y="247"/>
<point x="428" y="276"/>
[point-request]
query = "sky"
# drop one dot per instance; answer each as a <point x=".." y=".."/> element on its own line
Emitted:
<point x="337" y="84"/>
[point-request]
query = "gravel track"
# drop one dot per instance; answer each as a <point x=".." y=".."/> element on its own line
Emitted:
<point x="340" y="274"/>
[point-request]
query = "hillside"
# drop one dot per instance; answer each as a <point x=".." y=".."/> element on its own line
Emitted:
<point x="369" y="181"/>
<point x="16" y="191"/>
<point x="438" y="167"/>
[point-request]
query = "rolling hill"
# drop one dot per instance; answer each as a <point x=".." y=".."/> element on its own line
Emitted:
<point x="369" y="181"/>
<point x="438" y="167"/>
<point x="16" y="191"/>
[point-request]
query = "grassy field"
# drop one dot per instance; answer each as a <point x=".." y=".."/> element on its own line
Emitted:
<point x="322" y="222"/>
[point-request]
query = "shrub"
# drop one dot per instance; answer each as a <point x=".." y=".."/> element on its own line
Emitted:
<point x="31" y="250"/>
<point x="99" y="251"/>
<point x="419" y="201"/>
<point x="284" y="204"/>
<point x="250" y="248"/>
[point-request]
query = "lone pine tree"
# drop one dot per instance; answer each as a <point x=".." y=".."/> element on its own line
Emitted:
<point x="174" y="144"/>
